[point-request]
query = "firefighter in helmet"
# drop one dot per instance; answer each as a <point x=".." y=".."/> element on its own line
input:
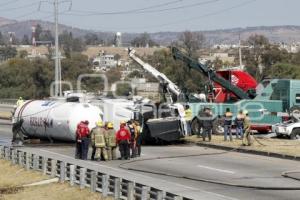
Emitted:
<point x="111" y="141"/>
<point x="123" y="141"/>
<point x="98" y="141"/>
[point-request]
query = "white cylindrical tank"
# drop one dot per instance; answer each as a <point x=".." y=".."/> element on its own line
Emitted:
<point x="55" y="120"/>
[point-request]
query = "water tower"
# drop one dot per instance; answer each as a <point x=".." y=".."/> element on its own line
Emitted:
<point x="33" y="28"/>
<point x="118" y="39"/>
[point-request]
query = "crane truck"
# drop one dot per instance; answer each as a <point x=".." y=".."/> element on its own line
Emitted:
<point x="166" y="127"/>
<point x="268" y="103"/>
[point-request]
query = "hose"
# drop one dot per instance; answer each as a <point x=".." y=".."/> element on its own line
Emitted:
<point x="284" y="174"/>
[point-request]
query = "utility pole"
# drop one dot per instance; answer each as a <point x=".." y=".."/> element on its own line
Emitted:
<point x="57" y="87"/>
<point x="57" y="57"/>
<point x="240" y="50"/>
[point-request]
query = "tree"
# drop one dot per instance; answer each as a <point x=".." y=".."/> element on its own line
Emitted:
<point x="296" y="58"/>
<point x="218" y="63"/>
<point x="285" y="70"/>
<point x="191" y="42"/>
<point x="38" y="32"/>
<point x="7" y="52"/>
<point x="117" y="57"/>
<point x="261" y="56"/>
<point x="25" y="40"/>
<point x="124" y="89"/>
<point x="2" y="39"/>
<point x="143" y="40"/>
<point x="23" y="54"/>
<point x="113" y="75"/>
<point x="91" y="39"/>
<point x="176" y="71"/>
<point x="70" y="44"/>
<point x="47" y="36"/>
<point x="135" y="74"/>
<point x="77" y="45"/>
<point x="22" y="77"/>
<point x="65" y="40"/>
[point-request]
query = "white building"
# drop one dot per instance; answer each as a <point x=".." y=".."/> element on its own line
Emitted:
<point x="104" y="62"/>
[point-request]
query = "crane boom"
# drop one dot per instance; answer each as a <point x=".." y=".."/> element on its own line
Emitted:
<point x="177" y="54"/>
<point x="162" y="78"/>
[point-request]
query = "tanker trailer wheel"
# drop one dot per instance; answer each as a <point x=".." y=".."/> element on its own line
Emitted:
<point x="295" y="133"/>
<point x="196" y="127"/>
<point x="295" y="112"/>
<point x="218" y="127"/>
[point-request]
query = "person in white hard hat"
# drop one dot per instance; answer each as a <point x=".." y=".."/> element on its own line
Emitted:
<point x="247" y="130"/>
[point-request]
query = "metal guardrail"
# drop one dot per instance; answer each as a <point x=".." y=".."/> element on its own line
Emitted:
<point x="8" y="101"/>
<point x="97" y="181"/>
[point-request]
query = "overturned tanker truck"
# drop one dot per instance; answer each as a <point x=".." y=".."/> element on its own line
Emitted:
<point x="55" y="119"/>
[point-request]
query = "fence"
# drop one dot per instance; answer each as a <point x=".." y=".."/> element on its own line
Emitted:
<point x="108" y="185"/>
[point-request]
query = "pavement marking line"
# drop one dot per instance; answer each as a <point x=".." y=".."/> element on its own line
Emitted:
<point x="216" y="169"/>
<point x="222" y="196"/>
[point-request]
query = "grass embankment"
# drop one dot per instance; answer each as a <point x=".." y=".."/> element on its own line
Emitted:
<point x="13" y="176"/>
<point x="282" y="146"/>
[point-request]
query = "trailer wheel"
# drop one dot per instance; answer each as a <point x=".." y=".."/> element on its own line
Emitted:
<point x="196" y="127"/>
<point x="218" y="127"/>
<point x="295" y="133"/>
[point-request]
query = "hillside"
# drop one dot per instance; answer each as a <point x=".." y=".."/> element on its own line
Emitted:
<point x="4" y="21"/>
<point x="286" y="34"/>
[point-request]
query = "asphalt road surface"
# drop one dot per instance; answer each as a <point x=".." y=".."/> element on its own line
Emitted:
<point x="195" y="162"/>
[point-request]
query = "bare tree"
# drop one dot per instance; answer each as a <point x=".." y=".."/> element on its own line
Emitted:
<point x="191" y="41"/>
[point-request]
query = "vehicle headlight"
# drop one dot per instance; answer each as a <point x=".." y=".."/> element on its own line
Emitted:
<point x="281" y="129"/>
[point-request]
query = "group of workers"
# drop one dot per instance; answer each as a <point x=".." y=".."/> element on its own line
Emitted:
<point x="241" y="122"/>
<point x="242" y="125"/>
<point x="105" y="140"/>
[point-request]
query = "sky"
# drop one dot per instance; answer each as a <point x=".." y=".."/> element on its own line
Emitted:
<point x="157" y="15"/>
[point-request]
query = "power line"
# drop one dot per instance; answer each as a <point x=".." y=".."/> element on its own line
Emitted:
<point x="9" y="2"/>
<point x="20" y="7"/>
<point x="198" y="17"/>
<point x="180" y="7"/>
<point x="90" y="13"/>
<point x="26" y="14"/>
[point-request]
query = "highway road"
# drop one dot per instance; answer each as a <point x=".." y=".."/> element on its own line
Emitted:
<point x="196" y="163"/>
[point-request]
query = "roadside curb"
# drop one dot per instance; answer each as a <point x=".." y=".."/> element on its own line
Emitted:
<point x="8" y="123"/>
<point x="5" y="118"/>
<point x="5" y="115"/>
<point x="250" y="151"/>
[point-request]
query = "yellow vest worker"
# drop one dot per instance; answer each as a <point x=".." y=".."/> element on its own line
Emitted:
<point x="20" y="102"/>
<point x="111" y="141"/>
<point x="138" y="131"/>
<point x="188" y="114"/>
<point x="98" y="141"/>
<point x="247" y="129"/>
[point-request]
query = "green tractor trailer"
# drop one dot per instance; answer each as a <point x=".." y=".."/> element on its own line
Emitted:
<point x="272" y="105"/>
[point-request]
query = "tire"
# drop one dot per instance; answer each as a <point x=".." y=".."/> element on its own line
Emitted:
<point x="196" y="127"/>
<point x="263" y="132"/>
<point x="218" y="127"/>
<point x="294" y="134"/>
